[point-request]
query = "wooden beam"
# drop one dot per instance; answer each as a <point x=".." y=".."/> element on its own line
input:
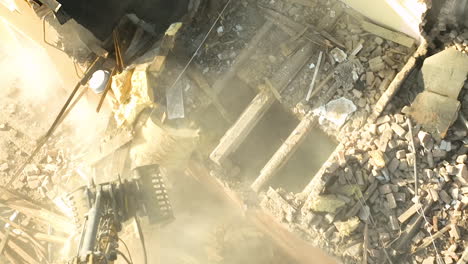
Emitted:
<point x="28" y="208"/>
<point x="19" y="250"/>
<point x="259" y="106"/>
<point x="50" y="238"/>
<point x="391" y="35"/>
<point x="4" y="242"/>
<point x="26" y="234"/>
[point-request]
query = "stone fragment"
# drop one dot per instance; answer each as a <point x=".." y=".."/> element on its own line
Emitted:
<point x="31" y="170"/>
<point x="394" y="223"/>
<point x="445" y="145"/>
<point x="378" y="158"/>
<point x="426" y="140"/>
<point x="362" y="102"/>
<point x="462" y="159"/>
<point x="391" y="201"/>
<point x="418" y="237"/>
<point x="445" y="197"/>
<point x="429" y="173"/>
<point x="401" y="132"/>
<point x="429" y="260"/>
<point x="376" y="64"/>
<point x="410" y="212"/>
<point x="34" y="182"/>
<point x="400" y="197"/>
<point x="379" y="41"/>
<point x="357" y="93"/>
<point x="385" y="189"/>
<point x="454" y="192"/>
<point x="404" y="165"/>
<point x="326" y="204"/>
<point x="329" y="218"/>
<point x="50" y="168"/>
<point x="346" y="228"/>
<point x="401" y="154"/>
<point x="354" y="251"/>
<point x="462" y="172"/>
<point x="455" y="232"/>
<point x="383" y="120"/>
<point x="464" y="200"/>
<point x="394" y="164"/>
<point x="364" y="213"/>
<point x="434" y="194"/>
<point x="392" y="144"/>
<point x="400" y="119"/>
<point x="410" y="157"/>
<point x="439" y="153"/>
<point x="373" y="129"/>
<point x="384" y="236"/>
<point x="451" y="170"/>
<point x="430" y="159"/>
<point x="370" y="78"/>
<point x="4" y="167"/>
<point x="339" y="55"/>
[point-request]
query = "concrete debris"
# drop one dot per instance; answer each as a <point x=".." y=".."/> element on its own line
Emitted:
<point x="387" y="34"/>
<point x="426" y="140"/>
<point x="368" y="183"/>
<point x="31" y="170"/>
<point x="444" y="75"/>
<point x="339" y="55"/>
<point x="354" y="251"/>
<point x="346" y="228"/>
<point x="336" y="111"/>
<point x="429" y="260"/>
<point x="4" y="167"/>
<point x="327" y="204"/>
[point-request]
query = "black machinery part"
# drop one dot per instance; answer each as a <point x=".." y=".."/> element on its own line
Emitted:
<point x="101" y="17"/>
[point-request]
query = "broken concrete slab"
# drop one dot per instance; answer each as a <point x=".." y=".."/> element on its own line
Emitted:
<point x="445" y="72"/>
<point x="434" y="112"/>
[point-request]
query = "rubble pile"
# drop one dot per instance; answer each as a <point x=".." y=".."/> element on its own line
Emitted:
<point x="449" y="28"/>
<point x="372" y="183"/>
<point x="48" y="173"/>
<point x="362" y="65"/>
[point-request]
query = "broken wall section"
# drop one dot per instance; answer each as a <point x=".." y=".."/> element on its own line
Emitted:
<point x="400" y="15"/>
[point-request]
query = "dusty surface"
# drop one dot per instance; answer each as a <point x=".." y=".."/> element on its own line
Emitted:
<point x="359" y="213"/>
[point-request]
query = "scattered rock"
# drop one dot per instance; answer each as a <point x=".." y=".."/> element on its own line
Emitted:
<point x="339" y="55"/>
<point x="31" y="170"/>
<point x="426" y="140"/>
<point x="327" y="204"/>
<point x="4" y="167"/>
<point x="346" y="228"/>
<point x="429" y="260"/>
<point x="354" y="251"/>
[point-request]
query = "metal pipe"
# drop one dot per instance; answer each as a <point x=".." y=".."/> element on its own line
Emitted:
<point x="92" y="225"/>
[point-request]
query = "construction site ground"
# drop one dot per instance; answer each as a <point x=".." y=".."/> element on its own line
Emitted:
<point x="275" y="178"/>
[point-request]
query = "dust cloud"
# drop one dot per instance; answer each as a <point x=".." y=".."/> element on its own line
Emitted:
<point x="35" y="92"/>
<point x="205" y="231"/>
